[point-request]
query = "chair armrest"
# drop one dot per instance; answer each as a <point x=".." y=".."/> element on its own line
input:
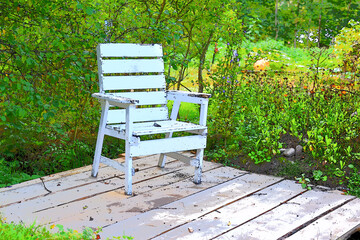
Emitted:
<point x="191" y="97"/>
<point x="115" y="100"/>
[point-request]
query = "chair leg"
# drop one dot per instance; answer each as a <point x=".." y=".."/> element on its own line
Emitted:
<point x="128" y="175"/>
<point x="100" y="138"/>
<point x="98" y="149"/>
<point x="198" y="170"/>
<point x="162" y="158"/>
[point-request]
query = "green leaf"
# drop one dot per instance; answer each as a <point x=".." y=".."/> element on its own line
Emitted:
<point x="89" y="11"/>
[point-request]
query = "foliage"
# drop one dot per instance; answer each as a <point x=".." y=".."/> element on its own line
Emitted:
<point x="354" y="181"/>
<point x="48" y="71"/>
<point x="10" y="175"/>
<point x="267" y="105"/>
<point x="299" y="23"/>
<point x="47" y="74"/>
<point x="304" y="181"/>
<point x="347" y="47"/>
<point x="20" y="231"/>
<point x="318" y="175"/>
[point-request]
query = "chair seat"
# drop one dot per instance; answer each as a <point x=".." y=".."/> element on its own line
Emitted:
<point x="147" y="128"/>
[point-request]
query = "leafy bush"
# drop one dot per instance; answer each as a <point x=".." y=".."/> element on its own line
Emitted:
<point x="251" y="111"/>
<point x="20" y="231"/>
<point x="347" y="47"/>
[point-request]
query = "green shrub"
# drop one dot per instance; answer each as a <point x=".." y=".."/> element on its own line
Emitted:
<point x="20" y="232"/>
<point x="249" y="113"/>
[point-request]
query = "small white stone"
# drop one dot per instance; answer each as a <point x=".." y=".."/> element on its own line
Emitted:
<point x="289" y="152"/>
<point x="298" y="149"/>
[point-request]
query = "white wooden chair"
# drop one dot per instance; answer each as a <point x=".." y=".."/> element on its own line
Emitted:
<point x="134" y="103"/>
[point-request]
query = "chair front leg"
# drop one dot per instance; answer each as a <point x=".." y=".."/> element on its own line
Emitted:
<point x="200" y="152"/>
<point x="100" y="138"/>
<point x="198" y="169"/>
<point x="129" y="172"/>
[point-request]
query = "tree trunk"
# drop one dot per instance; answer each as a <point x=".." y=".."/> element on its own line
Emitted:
<point x="308" y="35"/>
<point x="183" y="68"/>
<point x="319" y="29"/>
<point x="276" y="20"/>
<point x="296" y="22"/>
<point x="201" y="62"/>
<point x="296" y="30"/>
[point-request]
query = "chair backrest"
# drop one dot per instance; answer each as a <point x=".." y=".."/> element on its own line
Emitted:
<point x="134" y="71"/>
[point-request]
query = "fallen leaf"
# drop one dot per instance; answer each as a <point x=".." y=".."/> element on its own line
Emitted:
<point x="191" y="230"/>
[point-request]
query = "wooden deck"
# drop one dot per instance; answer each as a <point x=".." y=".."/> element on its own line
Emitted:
<point x="229" y="204"/>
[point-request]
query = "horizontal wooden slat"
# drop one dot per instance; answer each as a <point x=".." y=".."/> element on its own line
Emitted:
<point x="132" y="66"/>
<point x="159" y="127"/>
<point x="145" y="98"/>
<point x="190" y="97"/>
<point x="130" y="50"/>
<point x="140" y="115"/>
<point x="168" y="145"/>
<point x="133" y="82"/>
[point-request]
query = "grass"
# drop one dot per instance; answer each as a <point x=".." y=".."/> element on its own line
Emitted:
<point x="34" y="232"/>
<point x="20" y="231"/>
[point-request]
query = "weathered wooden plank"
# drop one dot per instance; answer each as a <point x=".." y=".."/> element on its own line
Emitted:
<point x="106" y="209"/>
<point x="70" y="179"/>
<point x="140" y="115"/>
<point x="38" y="190"/>
<point x="130" y="50"/>
<point x="168" y="145"/>
<point x="180" y="212"/>
<point x="190" y="97"/>
<point x="146" y="98"/>
<point x="132" y="66"/>
<point x="106" y="202"/>
<point x="46" y="178"/>
<point x="287" y="217"/>
<point x="134" y="82"/>
<point x="334" y="225"/>
<point x="223" y="219"/>
<point x="26" y="208"/>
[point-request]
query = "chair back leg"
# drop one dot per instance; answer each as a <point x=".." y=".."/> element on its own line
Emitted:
<point x="162" y="158"/>
<point x="100" y="138"/>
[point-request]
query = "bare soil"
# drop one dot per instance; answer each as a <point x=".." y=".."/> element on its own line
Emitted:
<point x="287" y="167"/>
